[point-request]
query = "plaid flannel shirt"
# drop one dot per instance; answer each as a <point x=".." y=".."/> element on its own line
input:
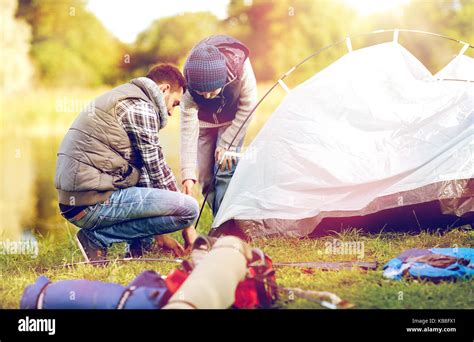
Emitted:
<point x="140" y="121"/>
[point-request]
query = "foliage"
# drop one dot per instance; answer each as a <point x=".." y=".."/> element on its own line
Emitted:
<point x="16" y="68"/>
<point x="70" y="45"/>
<point x="170" y="39"/>
<point x="282" y="33"/>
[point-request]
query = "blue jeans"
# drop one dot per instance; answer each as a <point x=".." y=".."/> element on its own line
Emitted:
<point x="207" y="166"/>
<point x="135" y="214"/>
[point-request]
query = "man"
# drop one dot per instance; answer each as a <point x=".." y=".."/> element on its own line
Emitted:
<point x="222" y="92"/>
<point x="111" y="175"/>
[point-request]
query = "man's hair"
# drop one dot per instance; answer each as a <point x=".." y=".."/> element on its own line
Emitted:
<point x="167" y="73"/>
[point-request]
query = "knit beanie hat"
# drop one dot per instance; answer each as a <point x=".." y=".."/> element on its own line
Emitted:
<point x="206" y="69"/>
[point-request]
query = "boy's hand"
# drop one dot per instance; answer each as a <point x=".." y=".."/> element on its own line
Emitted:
<point x="188" y="187"/>
<point x="227" y="162"/>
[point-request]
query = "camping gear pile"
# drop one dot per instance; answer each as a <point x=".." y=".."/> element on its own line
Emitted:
<point x="221" y="273"/>
<point x="374" y="139"/>
<point x="433" y="264"/>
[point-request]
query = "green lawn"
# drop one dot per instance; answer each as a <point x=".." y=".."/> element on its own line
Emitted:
<point x="365" y="289"/>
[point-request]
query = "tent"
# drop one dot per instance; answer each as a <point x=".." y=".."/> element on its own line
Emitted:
<point x="374" y="139"/>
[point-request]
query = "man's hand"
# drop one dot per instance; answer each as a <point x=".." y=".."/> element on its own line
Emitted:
<point x="188" y="186"/>
<point x="168" y="243"/>
<point x="227" y="162"/>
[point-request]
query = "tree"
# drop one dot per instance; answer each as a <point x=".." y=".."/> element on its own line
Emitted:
<point x="452" y="18"/>
<point x="280" y="34"/>
<point x="16" y="69"/>
<point x="170" y="39"/>
<point x="69" y="44"/>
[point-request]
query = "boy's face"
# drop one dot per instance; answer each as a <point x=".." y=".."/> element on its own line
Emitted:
<point x="210" y="94"/>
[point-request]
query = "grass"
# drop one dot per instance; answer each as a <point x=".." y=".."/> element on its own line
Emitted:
<point x="365" y="289"/>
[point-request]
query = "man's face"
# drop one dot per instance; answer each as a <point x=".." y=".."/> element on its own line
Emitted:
<point x="172" y="97"/>
<point x="210" y="94"/>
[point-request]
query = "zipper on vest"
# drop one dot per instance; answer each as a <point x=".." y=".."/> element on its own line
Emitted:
<point x="222" y="105"/>
<point x="219" y="110"/>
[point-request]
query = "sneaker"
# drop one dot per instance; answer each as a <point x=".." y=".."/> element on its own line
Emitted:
<point x="138" y="248"/>
<point x="133" y="251"/>
<point x="89" y="249"/>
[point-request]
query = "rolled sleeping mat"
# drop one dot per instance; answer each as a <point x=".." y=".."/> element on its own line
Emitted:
<point x="213" y="282"/>
<point x="147" y="291"/>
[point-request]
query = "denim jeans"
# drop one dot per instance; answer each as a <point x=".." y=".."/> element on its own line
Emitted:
<point x="135" y="214"/>
<point x="207" y="166"/>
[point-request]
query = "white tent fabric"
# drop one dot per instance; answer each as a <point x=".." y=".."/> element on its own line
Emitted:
<point x="461" y="67"/>
<point x="374" y="123"/>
